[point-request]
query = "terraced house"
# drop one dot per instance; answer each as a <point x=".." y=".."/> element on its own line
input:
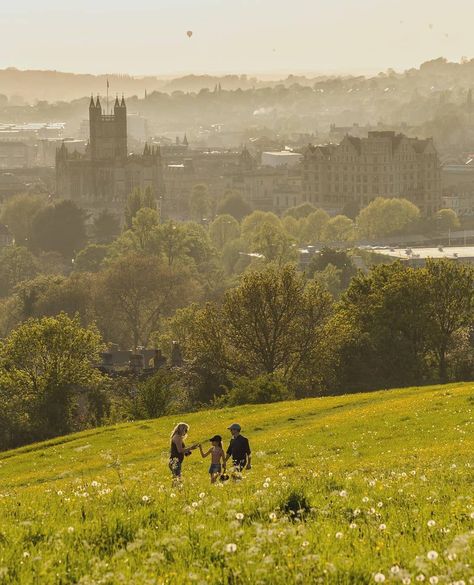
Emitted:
<point x="384" y="164"/>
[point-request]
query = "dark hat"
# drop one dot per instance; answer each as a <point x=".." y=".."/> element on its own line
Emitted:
<point x="217" y="438"/>
<point x="235" y="427"/>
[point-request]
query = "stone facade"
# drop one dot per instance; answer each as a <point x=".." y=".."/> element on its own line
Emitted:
<point x="384" y="164"/>
<point x="105" y="175"/>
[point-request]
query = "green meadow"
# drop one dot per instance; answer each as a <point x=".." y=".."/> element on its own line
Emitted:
<point x="364" y="488"/>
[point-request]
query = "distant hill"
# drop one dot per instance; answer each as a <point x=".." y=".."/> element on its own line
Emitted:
<point x="52" y="86"/>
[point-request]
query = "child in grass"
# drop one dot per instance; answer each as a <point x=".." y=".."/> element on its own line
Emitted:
<point x="217" y="457"/>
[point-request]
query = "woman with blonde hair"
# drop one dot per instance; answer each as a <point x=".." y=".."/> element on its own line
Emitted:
<point x="179" y="449"/>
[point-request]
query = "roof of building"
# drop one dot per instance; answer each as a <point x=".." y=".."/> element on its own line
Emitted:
<point x="450" y="252"/>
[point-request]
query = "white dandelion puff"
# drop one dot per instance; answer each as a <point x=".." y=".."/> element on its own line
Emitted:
<point x="231" y="547"/>
<point x="379" y="578"/>
<point x="432" y="555"/>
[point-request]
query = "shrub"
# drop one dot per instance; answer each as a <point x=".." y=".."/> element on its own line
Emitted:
<point x="263" y="389"/>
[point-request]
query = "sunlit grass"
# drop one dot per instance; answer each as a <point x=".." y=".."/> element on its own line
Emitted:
<point x="357" y="489"/>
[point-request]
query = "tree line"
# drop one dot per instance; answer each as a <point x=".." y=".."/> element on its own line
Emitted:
<point x="275" y="335"/>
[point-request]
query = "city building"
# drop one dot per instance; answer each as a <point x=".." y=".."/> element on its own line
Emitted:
<point x="283" y="158"/>
<point x="384" y="164"/>
<point x="106" y="173"/>
<point x="458" y="187"/>
<point x="14" y="155"/>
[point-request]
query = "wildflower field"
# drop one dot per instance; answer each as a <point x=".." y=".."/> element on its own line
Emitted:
<point x="366" y="488"/>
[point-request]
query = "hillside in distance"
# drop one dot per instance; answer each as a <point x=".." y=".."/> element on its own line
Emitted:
<point x="361" y="488"/>
<point x="53" y="86"/>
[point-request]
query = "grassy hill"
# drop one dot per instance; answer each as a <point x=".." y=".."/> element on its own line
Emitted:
<point x="382" y="485"/>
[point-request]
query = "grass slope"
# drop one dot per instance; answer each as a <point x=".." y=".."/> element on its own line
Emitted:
<point x="382" y="483"/>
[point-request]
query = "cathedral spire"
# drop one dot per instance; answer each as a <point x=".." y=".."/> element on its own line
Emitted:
<point x="117" y="104"/>
<point x="91" y="103"/>
<point x="123" y="102"/>
<point x="97" y="103"/>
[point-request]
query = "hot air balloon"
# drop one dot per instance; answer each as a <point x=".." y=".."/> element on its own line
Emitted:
<point x="189" y="33"/>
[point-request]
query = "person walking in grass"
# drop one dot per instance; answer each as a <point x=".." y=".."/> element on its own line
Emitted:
<point x="239" y="449"/>
<point x="178" y="449"/>
<point x="217" y="457"/>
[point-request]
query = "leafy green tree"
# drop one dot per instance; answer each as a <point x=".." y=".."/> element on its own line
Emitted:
<point x="330" y="279"/>
<point x="383" y="217"/>
<point x="338" y="229"/>
<point x="199" y="202"/>
<point x="293" y="227"/>
<point x="154" y="395"/>
<point x="178" y="328"/>
<point x="17" y="264"/>
<point x="235" y="257"/>
<point x="451" y="287"/>
<point x="48" y="295"/>
<point x="255" y="220"/>
<point x="314" y="226"/>
<point x="300" y="211"/>
<point x="388" y="339"/>
<point x="340" y="259"/>
<point x="146" y="230"/>
<point x="140" y="291"/>
<point x="234" y="204"/>
<point x="197" y="243"/>
<point x="91" y="258"/>
<point x="138" y="199"/>
<point x="59" y="228"/>
<point x="273" y="244"/>
<point x="224" y="229"/>
<point x="272" y="322"/>
<point x="106" y="227"/>
<point x="446" y="219"/>
<point x="172" y="237"/>
<point x="18" y="214"/>
<point x="47" y="364"/>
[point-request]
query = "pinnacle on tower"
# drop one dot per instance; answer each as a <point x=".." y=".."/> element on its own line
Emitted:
<point x="97" y="103"/>
<point x="91" y="103"/>
<point x="123" y="102"/>
<point x="117" y="103"/>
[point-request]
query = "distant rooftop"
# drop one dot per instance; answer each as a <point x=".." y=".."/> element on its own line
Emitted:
<point x="450" y="252"/>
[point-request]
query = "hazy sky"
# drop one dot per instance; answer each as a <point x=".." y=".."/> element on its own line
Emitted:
<point x="256" y="36"/>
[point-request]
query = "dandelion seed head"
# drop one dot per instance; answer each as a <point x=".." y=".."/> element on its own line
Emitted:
<point x="379" y="578"/>
<point x="231" y="547"/>
<point x="432" y="555"/>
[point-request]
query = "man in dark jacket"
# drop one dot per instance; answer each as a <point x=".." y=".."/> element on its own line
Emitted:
<point x="239" y="449"/>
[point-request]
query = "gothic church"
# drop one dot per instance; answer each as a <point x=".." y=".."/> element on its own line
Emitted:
<point x="105" y="175"/>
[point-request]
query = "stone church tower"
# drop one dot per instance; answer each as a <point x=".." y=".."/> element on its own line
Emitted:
<point x="108" y="133"/>
<point x="106" y="174"/>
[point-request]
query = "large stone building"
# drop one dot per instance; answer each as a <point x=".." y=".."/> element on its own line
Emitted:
<point x="106" y="173"/>
<point x="384" y="164"/>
